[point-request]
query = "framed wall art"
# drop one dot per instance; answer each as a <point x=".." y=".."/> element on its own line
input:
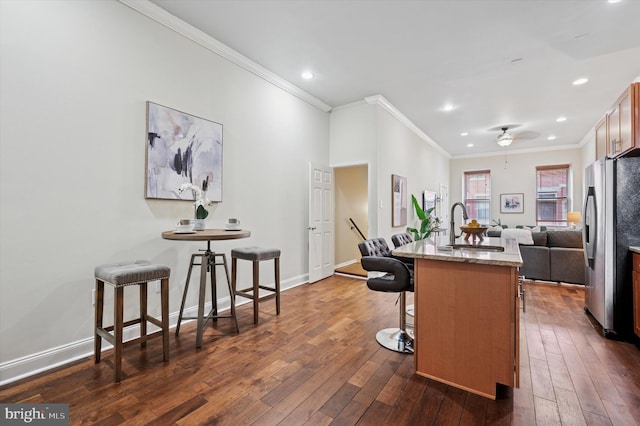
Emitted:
<point x="443" y="213"/>
<point x="398" y="200"/>
<point x="182" y="148"/>
<point x="429" y="199"/>
<point x="512" y="203"/>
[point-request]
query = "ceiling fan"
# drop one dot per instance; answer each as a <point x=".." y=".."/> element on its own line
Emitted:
<point x="506" y="138"/>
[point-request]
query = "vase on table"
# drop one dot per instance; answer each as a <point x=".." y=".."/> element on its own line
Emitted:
<point x="198" y="224"/>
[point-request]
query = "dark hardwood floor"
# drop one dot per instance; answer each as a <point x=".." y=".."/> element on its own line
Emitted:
<point x="318" y="363"/>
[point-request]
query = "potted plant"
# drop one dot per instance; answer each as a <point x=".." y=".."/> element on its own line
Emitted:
<point x="428" y="222"/>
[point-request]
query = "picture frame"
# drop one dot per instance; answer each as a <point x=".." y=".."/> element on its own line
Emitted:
<point x="182" y="148"/>
<point x="429" y="199"/>
<point x="398" y="200"/>
<point x="512" y="203"/>
<point x="443" y="212"/>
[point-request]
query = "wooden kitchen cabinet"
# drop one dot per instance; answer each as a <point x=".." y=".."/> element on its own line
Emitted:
<point x="636" y="293"/>
<point x="622" y="124"/>
<point x="467" y="325"/>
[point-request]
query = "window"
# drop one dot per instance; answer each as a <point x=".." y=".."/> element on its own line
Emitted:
<point x="477" y="195"/>
<point x="552" y="195"/>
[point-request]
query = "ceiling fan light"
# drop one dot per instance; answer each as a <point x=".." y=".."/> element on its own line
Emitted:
<point x="505" y="139"/>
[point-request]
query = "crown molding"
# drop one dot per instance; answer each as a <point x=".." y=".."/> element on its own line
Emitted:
<point x="395" y="112"/>
<point x="170" y="21"/>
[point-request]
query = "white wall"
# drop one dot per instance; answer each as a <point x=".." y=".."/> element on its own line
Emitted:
<point x="402" y="152"/>
<point x="518" y="175"/>
<point x="74" y="80"/>
<point x="374" y="133"/>
<point x="588" y="144"/>
<point x="353" y="140"/>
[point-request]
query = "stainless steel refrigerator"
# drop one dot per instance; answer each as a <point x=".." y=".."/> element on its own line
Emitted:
<point x="611" y="224"/>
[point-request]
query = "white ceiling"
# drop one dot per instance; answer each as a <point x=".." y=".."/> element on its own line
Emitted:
<point x="498" y="62"/>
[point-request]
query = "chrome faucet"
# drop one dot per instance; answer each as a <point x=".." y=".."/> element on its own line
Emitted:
<point x="453" y="236"/>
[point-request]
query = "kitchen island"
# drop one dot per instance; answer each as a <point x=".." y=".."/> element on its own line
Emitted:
<point x="466" y="313"/>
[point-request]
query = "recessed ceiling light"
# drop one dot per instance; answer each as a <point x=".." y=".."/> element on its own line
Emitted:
<point x="469" y="145"/>
<point x="307" y="75"/>
<point x="447" y="107"/>
<point x="561" y="119"/>
<point x="551" y="138"/>
<point x="580" y="81"/>
<point x="614" y="1"/>
<point x="464" y="134"/>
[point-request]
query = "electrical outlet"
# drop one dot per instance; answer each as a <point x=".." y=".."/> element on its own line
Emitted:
<point x="158" y="287"/>
<point x="93" y="297"/>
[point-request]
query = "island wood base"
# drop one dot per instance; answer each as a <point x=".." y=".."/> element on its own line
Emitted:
<point x="467" y="324"/>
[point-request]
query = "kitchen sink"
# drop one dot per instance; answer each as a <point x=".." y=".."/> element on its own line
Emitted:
<point x="477" y="247"/>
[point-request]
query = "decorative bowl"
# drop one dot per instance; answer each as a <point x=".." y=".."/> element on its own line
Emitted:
<point x="474" y="233"/>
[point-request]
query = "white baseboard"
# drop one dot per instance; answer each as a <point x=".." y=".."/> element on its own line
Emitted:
<point x="347" y="263"/>
<point x="33" y="364"/>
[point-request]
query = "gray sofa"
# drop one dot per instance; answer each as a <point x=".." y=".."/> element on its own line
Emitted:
<point x="554" y="256"/>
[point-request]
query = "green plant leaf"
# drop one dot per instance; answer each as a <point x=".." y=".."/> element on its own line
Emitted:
<point x="419" y="212"/>
<point x="201" y="212"/>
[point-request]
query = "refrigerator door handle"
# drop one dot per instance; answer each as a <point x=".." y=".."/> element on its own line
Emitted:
<point x="590" y="227"/>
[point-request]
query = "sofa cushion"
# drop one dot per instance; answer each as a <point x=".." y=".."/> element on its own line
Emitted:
<point x="522" y="236"/>
<point x="567" y="265"/>
<point x="568" y="239"/>
<point x="539" y="238"/>
<point x="535" y="261"/>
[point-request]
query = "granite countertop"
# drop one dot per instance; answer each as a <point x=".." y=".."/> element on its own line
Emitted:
<point x="635" y="249"/>
<point x="431" y="249"/>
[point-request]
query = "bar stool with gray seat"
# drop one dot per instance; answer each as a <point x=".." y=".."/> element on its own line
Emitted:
<point x="398" y="279"/>
<point x="256" y="255"/>
<point x="120" y="275"/>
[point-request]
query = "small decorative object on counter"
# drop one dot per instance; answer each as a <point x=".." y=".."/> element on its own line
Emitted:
<point x="473" y="230"/>
<point x="201" y="201"/>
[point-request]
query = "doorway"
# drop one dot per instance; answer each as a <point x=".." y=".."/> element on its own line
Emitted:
<point x="351" y="215"/>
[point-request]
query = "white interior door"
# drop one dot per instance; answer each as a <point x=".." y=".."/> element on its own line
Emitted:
<point x="321" y="222"/>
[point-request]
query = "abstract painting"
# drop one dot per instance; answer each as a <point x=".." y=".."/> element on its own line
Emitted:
<point x="182" y="148"/>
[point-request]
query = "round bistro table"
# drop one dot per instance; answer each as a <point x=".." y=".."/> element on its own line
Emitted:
<point x="207" y="264"/>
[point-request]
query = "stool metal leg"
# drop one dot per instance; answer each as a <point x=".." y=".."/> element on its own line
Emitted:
<point x="521" y="279"/>
<point x="201" y="299"/>
<point x="397" y="339"/>
<point x="184" y="293"/>
<point x="207" y="272"/>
